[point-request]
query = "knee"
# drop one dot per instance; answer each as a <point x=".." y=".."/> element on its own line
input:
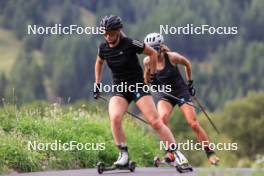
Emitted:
<point x="116" y="119"/>
<point x="156" y="124"/>
<point x="195" y="125"/>
<point x="164" y="118"/>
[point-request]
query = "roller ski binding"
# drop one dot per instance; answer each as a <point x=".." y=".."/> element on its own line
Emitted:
<point x="175" y="159"/>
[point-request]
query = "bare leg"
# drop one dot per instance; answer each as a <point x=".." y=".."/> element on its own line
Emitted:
<point x="117" y="108"/>
<point x="164" y="109"/>
<point x="190" y="115"/>
<point x="147" y="107"/>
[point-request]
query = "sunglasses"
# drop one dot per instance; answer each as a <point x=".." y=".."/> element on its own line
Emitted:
<point x="110" y="33"/>
<point x="157" y="48"/>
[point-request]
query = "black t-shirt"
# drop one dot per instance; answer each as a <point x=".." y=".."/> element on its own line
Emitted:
<point x="122" y="59"/>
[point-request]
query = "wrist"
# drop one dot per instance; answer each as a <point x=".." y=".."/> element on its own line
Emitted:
<point x="190" y="82"/>
<point x="97" y="84"/>
<point x="97" y="87"/>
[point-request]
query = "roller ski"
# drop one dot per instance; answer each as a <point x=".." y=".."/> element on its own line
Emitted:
<point x="101" y="168"/>
<point x="175" y="159"/>
<point x="122" y="163"/>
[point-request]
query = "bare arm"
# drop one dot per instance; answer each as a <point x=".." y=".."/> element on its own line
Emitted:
<point x="177" y="58"/>
<point x="98" y="69"/>
<point x="153" y="55"/>
<point x="146" y="70"/>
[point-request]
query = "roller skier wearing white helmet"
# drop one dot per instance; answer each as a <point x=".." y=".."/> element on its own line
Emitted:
<point x="167" y="73"/>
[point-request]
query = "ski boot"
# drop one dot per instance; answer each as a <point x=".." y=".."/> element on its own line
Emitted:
<point x="212" y="158"/>
<point x="175" y="159"/>
<point x="122" y="163"/>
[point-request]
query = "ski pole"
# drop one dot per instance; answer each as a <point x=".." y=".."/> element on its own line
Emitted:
<point x="201" y="108"/>
<point x="181" y="100"/>
<point x="205" y="113"/>
<point x="130" y="113"/>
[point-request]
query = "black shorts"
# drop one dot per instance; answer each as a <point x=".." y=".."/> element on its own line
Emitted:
<point x="181" y="97"/>
<point x="132" y="95"/>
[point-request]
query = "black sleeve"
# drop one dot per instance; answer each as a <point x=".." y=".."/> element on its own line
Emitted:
<point x="99" y="53"/>
<point x="137" y="45"/>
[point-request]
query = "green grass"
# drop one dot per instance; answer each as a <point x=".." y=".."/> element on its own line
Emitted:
<point x="82" y="123"/>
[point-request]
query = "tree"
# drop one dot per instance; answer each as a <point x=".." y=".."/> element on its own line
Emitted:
<point x="233" y="70"/>
<point x="243" y="121"/>
<point x="18" y="14"/>
<point x="69" y="64"/>
<point x="27" y="78"/>
<point x="3" y="84"/>
<point x="70" y="14"/>
<point x="253" y="21"/>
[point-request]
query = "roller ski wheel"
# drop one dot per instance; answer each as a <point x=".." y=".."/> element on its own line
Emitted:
<point x="156" y="162"/>
<point x="100" y="167"/>
<point x="184" y="168"/>
<point x="132" y="166"/>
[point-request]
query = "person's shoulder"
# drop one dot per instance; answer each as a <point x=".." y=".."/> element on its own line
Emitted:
<point x="101" y="49"/>
<point x="127" y="40"/>
<point x="131" y="40"/>
<point x="135" y="42"/>
<point x="103" y="45"/>
<point x="172" y="54"/>
<point x="174" y="57"/>
<point x="146" y="60"/>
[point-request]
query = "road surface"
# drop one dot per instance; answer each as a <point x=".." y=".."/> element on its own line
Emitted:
<point x="148" y="172"/>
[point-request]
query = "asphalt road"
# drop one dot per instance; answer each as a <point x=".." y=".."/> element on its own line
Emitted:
<point x="148" y="172"/>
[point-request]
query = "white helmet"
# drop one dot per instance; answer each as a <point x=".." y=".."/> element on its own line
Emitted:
<point x="154" y="39"/>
